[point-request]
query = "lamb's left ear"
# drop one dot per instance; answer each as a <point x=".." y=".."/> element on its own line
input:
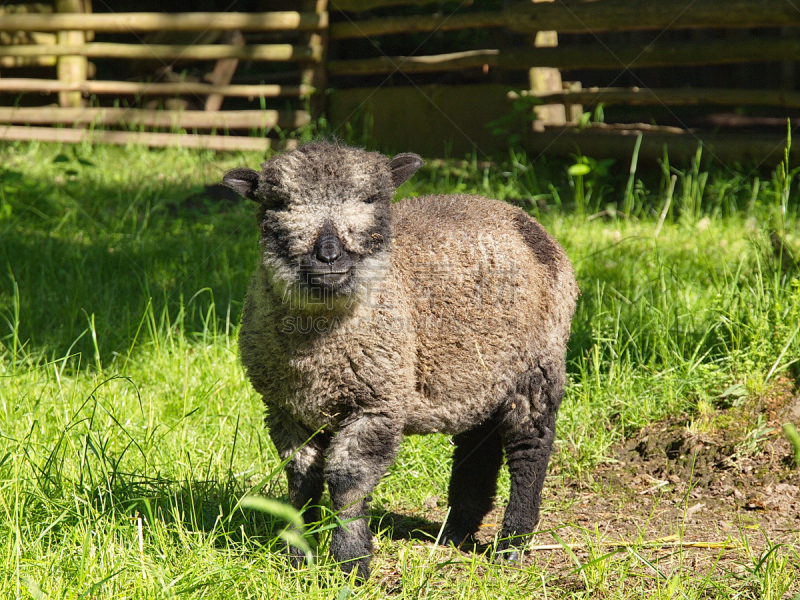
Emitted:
<point x="403" y="166"/>
<point x="243" y="180"/>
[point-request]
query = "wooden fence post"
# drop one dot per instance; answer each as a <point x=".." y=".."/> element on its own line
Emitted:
<point x="224" y="70"/>
<point x="545" y="79"/>
<point x="315" y="74"/>
<point x="572" y="110"/>
<point x="72" y="69"/>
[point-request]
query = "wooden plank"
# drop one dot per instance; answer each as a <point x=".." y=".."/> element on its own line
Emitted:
<point x="28" y="37"/>
<point x="31" y="7"/>
<point x="583" y="16"/>
<point x="141" y="21"/>
<point x="136" y="88"/>
<point x="139" y="138"/>
<point x="414" y="64"/>
<point x="764" y="149"/>
<point x="416" y="24"/>
<point x="674" y="97"/>
<point x="11" y="62"/>
<point x="260" y="52"/>
<point x="583" y="56"/>
<point x="578" y="16"/>
<point x="362" y="5"/>
<point x="659" y="54"/>
<point x="134" y="117"/>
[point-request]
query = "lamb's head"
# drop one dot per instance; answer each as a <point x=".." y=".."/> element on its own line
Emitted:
<point x="324" y="213"/>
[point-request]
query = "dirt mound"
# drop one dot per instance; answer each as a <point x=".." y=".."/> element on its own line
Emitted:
<point x="737" y="455"/>
<point x="725" y="475"/>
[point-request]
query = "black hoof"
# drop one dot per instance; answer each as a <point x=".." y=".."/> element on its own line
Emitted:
<point x="507" y="556"/>
<point x="361" y="568"/>
<point x="456" y="537"/>
<point x="507" y="553"/>
<point x="297" y="557"/>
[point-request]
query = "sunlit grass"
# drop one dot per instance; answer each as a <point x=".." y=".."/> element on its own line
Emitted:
<point x="130" y="434"/>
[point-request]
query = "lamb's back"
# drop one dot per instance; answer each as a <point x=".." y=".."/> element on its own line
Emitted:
<point x="493" y="295"/>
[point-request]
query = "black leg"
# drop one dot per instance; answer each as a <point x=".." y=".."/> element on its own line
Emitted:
<point x="358" y="456"/>
<point x="528" y="452"/>
<point x="473" y="483"/>
<point x="304" y="470"/>
<point x="528" y="441"/>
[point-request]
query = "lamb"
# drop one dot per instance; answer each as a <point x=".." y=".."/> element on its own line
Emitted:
<point x="366" y="321"/>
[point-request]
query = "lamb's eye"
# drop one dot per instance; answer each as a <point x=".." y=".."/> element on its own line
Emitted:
<point x="275" y="202"/>
<point x="372" y="199"/>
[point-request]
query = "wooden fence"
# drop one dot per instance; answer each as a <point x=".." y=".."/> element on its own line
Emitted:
<point x="376" y="61"/>
<point x="60" y="36"/>
<point x="594" y="35"/>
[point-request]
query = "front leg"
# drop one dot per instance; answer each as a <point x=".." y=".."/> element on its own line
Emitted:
<point x="305" y="456"/>
<point x="359" y="455"/>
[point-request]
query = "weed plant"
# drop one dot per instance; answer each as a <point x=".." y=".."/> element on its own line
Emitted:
<point x="129" y="435"/>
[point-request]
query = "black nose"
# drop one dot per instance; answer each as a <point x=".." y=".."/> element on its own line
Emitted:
<point x="329" y="248"/>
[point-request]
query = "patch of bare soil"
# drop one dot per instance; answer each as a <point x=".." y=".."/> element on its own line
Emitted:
<point x="727" y="476"/>
<point x="723" y="484"/>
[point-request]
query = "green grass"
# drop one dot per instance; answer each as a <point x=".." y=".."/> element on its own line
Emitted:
<point x="126" y="419"/>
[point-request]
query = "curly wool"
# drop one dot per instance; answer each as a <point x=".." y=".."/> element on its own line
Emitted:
<point x="452" y="316"/>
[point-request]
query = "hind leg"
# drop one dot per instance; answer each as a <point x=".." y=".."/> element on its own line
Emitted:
<point x="528" y="450"/>
<point x="476" y="462"/>
<point x="528" y="432"/>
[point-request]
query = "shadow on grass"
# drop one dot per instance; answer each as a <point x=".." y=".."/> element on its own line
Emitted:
<point x="397" y="526"/>
<point x="119" y="265"/>
<point x="201" y="506"/>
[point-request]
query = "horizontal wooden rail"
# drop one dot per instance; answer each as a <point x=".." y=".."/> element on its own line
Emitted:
<point x="134" y="117"/>
<point x="762" y="149"/>
<point x="140" y="21"/>
<point x="28" y="7"/>
<point x="362" y="5"/>
<point x="261" y="52"/>
<point x="672" y="97"/>
<point x="35" y="37"/>
<point x="139" y="138"/>
<point x="415" y="24"/>
<point x="585" y="16"/>
<point x="415" y="64"/>
<point x="580" y="16"/>
<point x="10" y="62"/>
<point x="134" y="88"/>
<point x="583" y="56"/>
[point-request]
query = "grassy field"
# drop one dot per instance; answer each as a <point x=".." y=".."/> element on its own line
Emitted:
<point x="129" y="435"/>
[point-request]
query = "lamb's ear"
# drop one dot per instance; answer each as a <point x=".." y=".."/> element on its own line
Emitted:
<point x="403" y="166"/>
<point x="243" y="180"/>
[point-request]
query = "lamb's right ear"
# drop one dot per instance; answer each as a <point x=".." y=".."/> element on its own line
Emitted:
<point x="403" y="166"/>
<point x="243" y="180"/>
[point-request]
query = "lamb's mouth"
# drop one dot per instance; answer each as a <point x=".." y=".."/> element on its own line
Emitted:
<point x="327" y="279"/>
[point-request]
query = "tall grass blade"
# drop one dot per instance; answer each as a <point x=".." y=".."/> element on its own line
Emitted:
<point x="627" y="204"/>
